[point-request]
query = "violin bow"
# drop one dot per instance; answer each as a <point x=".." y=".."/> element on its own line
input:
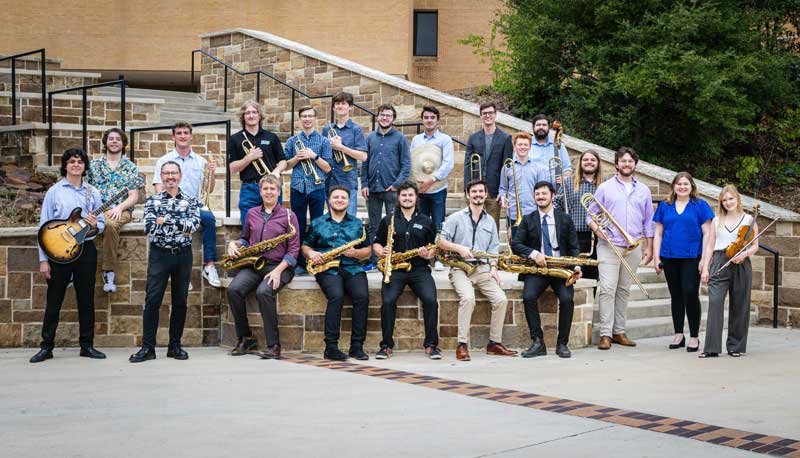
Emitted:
<point x="746" y="246"/>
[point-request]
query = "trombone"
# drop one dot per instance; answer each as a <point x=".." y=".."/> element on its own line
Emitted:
<point x="509" y="163"/>
<point x="308" y="167"/>
<point x="557" y="171"/>
<point x="475" y="167"/>
<point x="259" y="164"/>
<point x="338" y="155"/>
<point x="604" y="220"/>
<point x="205" y="187"/>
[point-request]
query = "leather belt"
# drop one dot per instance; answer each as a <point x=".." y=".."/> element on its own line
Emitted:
<point x="178" y="250"/>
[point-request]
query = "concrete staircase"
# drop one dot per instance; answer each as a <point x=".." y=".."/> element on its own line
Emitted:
<point x="178" y="106"/>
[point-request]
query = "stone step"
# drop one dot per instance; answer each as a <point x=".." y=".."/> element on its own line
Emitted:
<point x="644" y="328"/>
<point x="177" y="95"/>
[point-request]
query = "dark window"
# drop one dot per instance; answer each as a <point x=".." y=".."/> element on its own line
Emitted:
<point x="426" y="33"/>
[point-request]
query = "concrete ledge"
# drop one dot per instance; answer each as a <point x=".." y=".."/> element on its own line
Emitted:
<point x="92" y="98"/>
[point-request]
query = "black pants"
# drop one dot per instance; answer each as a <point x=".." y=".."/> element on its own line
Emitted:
<point x="244" y="282"/>
<point x="82" y="271"/>
<point x="334" y="287"/>
<point x="163" y="265"/>
<point x="585" y="244"/>
<point x="422" y="284"/>
<point x="533" y="288"/>
<point x="683" y="280"/>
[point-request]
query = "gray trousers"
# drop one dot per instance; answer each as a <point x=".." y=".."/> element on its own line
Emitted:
<point x="377" y="204"/>
<point x="736" y="282"/>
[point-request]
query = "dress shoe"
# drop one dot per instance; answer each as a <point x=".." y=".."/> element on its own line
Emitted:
<point x="175" y="351"/>
<point x="334" y="354"/>
<point x="273" y="352"/>
<point x="41" y="356"/>
<point x="623" y="340"/>
<point x="537" y="348"/>
<point x="498" y="349"/>
<point x="604" y="344"/>
<point x="462" y="352"/>
<point x="245" y="346"/>
<point x="562" y="351"/>
<point x="144" y="354"/>
<point x="358" y="353"/>
<point x="680" y="344"/>
<point x="91" y="352"/>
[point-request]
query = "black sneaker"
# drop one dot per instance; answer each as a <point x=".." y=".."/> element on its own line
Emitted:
<point x="335" y="354"/>
<point x="433" y="352"/>
<point x="358" y="353"/>
<point x="384" y="353"/>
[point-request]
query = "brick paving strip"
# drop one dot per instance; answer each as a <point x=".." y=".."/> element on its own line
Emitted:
<point x="735" y="438"/>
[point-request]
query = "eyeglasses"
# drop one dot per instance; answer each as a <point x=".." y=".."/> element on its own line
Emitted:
<point x="488" y="113"/>
<point x="308" y="116"/>
<point x="386" y="115"/>
<point x="170" y="173"/>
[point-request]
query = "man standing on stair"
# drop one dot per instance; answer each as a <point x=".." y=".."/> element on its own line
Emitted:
<point x="111" y="173"/>
<point x="193" y="166"/>
<point x="349" y="146"/>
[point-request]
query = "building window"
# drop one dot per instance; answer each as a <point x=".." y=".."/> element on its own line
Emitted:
<point x="426" y="33"/>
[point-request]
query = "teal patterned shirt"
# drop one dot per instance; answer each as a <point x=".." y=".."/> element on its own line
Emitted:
<point x="326" y="234"/>
<point x="109" y="182"/>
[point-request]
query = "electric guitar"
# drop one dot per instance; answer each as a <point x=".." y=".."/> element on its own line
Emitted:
<point x="62" y="239"/>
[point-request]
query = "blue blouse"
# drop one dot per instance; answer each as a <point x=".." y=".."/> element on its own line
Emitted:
<point x="683" y="236"/>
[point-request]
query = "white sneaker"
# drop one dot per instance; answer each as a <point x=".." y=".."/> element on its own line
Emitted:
<point x="438" y="266"/>
<point x="108" y="282"/>
<point x="190" y="285"/>
<point x="210" y="274"/>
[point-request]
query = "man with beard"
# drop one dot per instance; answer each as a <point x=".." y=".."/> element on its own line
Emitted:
<point x="547" y="232"/>
<point x="543" y="148"/>
<point x="411" y="230"/>
<point x="630" y="203"/>
<point x="464" y="231"/>
<point x="586" y="181"/>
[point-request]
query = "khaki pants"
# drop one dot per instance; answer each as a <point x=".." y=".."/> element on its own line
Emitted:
<point x="111" y="238"/>
<point x="613" y="287"/>
<point x="465" y="288"/>
<point x="492" y="207"/>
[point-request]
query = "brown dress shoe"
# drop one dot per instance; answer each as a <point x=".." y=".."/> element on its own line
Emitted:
<point x="623" y="340"/>
<point x="499" y="349"/>
<point x="462" y="352"/>
<point x="273" y="352"/>
<point x="604" y="344"/>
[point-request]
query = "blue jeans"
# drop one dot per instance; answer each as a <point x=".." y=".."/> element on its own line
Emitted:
<point x="209" y="224"/>
<point x="314" y="203"/>
<point x="249" y="197"/>
<point x="433" y="206"/>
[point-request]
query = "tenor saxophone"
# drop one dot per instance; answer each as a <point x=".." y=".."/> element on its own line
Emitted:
<point x="387" y="260"/>
<point x="329" y="258"/>
<point x="400" y="260"/>
<point x="250" y="256"/>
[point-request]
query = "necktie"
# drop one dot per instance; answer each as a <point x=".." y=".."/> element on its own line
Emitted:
<point x="548" y="247"/>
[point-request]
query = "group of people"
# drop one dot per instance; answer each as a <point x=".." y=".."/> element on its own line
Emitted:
<point x="545" y="213"/>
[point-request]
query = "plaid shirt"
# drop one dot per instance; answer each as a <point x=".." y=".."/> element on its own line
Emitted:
<point x="110" y="182"/>
<point x="576" y="210"/>
<point x="319" y="145"/>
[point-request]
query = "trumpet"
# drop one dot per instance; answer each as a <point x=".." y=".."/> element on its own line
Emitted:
<point x="339" y="156"/>
<point x="308" y="166"/>
<point x="603" y="221"/>
<point x="509" y="163"/>
<point x="259" y="164"/>
<point x="205" y="188"/>
<point x="557" y="171"/>
<point x="475" y="167"/>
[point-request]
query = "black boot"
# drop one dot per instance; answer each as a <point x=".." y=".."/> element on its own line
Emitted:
<point x="537" y="348"/>
<point x="335" y="354"/>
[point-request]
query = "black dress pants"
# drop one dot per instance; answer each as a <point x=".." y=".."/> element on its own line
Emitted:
<point x="533" y="288"/>
<point x="335" y="287"/>
<point x="683" y="281"/>
<point x="163" y="265"/>
<point x="82" y="271"/>
<point x="422" y="284"/>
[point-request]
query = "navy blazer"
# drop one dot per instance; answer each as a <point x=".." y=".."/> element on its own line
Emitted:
<point x="501" y="149"/>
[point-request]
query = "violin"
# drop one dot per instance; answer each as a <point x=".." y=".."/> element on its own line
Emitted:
<point x="743" y="237"/>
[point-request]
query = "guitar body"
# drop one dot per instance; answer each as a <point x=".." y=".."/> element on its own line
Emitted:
<point x="62" y="239"/>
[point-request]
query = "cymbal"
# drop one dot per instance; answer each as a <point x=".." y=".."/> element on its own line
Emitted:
<point x="425" y="160"/>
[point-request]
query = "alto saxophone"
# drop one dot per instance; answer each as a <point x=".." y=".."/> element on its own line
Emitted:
<point x="387" y="260"/>
<point x="329" y="258"/>
<point x="520" y="265"/>
<point x="250" y="256"/>
<point x="399" y="260"/>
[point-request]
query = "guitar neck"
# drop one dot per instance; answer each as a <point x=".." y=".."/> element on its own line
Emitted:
<point x="110" y="202"/>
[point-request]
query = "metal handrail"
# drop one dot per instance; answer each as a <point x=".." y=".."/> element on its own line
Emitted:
<point x="226" y="122"/>
<point x="83" y="89"/>
<point x="14" y="82"/>
<point x="775" y="255"/>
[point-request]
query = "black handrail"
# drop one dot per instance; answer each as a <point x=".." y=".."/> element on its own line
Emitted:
<point x="227" y="124"/>
<point x="775" y="255"/>
<point x="83" y="89"/>
<point x="14" y="82"/>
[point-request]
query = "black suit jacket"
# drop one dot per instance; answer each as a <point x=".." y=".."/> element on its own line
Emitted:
<point x="501" y="149"/>
<point x="529" y="235"/>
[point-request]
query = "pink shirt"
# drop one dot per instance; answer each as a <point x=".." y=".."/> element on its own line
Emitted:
<point x="634" y="211"/>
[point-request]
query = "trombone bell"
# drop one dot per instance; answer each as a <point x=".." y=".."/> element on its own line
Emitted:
<point x="475" y="167"/>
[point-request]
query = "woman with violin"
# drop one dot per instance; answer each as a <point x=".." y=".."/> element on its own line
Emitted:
<point x="734" y="229"/>
<point x="680" y="246"/>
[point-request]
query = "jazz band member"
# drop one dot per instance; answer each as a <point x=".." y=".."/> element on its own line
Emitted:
<point x="543" y="148"/>
<point x="465" y="231"/>
<point x="630" y="203"/>
<point x="193" y="166"/>
<point x="520" y="181"/>
<point x="171" y="217"/>
<point x="411" y="230"/>
<point x="494" y="147"/>
<point x="59" y="201"/>
<point x="586" y="181"/>
<point x="110" y="173"/>
<point x="333" y="231"/>
<point x="263" y="148"/>
<point x="349" y="147"/>
<point x="547" y="232"/>
<point x="265" y="222"/>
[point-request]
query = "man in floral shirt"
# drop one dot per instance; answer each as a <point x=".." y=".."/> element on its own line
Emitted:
<point x="111" y="173"/>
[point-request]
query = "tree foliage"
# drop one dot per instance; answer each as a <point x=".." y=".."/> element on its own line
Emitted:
<point x="687" y="83"/>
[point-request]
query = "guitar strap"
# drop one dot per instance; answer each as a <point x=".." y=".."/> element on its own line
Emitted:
<point x="89" y="200"/>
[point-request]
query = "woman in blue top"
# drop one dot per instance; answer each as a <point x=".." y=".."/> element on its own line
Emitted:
<point x="683" y="226"/>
